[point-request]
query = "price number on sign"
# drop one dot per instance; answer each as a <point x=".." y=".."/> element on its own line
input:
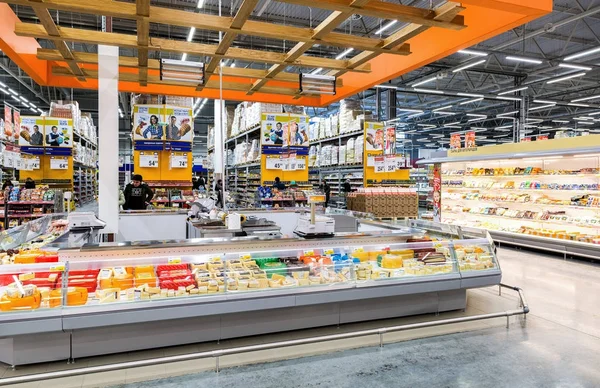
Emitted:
<point x="379" y="168"/>
<point x="179" y="161"/>
<point x="400" y="162"/>
<point x="149" y="160"/>
<point x="390" y="167"/>
<point x="274" y="164"/>
<point x="59" y="164"/>
<point x="34" y="164"/>
<point x="301" y="165"/>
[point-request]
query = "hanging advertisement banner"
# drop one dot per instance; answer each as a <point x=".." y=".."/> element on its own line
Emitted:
<point x="16" y="124"/>
<point x="148" y="122"/>
<point x="32" y="131"/>
<point x="298" y="131"/>
<point x="179" y="123"/>
<point x="470" y="139"/>
<point x="390" y="141"/>
<point x="8" y="133"/>
<point x="374" y="137"/>
<point x="58" y="132"/>
<point x="274" y="130"/>
<point x="437" y="192"/>
<point x="455" y="141"/>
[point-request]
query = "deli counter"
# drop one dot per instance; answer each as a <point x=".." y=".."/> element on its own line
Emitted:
<point x="117" y="297"/>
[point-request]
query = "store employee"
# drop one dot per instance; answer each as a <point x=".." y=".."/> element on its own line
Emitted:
<point x="137" y="194"/>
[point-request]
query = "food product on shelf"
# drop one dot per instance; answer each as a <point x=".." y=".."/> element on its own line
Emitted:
<point x="19" y="297"/>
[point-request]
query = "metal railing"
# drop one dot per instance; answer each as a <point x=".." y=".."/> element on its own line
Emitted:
<point x="523" y="310"/>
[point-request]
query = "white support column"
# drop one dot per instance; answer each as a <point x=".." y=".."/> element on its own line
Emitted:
<point x="108" y="137"/>
<point x="220" y="155"/>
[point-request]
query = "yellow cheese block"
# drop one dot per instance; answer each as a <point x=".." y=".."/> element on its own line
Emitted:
<point x="391" y="261"/>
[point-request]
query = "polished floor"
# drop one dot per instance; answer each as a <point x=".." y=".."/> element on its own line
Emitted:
<point x="557" y="346"/>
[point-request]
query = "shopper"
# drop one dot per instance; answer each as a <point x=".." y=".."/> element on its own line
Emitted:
<point x="172" y="130"/>
<point x="219" y="193"/>
<point x="278" y="184"/>
<point x="347" y="187"/>
<point x="36" y="138"/>
<point x="195" y="183"/>
<point x="29" y="183"/>
<point x="54" y="139"/>
<point x="327" y="191"/>
<point x="7" y="184"/>
<point x="154" y="129"/>
<point x="137" y="194"/>
<point x="201" y="183"/>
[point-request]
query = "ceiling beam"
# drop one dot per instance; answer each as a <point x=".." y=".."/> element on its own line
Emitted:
<point x="160" y="44"/>
<point x="143" y="38"/>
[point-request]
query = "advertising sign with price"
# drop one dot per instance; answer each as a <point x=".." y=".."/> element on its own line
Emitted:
<point x="379" y="164"/>
<point x="149" y="159"/>
<point x="59" y="163"/>
<point x="274" y="162"/>
<point x="179" y="160"/>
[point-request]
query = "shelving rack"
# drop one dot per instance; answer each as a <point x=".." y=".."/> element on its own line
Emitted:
<point x="85" y="185"/>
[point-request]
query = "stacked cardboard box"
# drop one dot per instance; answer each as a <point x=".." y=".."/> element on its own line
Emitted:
<point x="385" y="202"/>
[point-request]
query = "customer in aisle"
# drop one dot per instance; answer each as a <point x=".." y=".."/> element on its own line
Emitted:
<point x="278" y="184"/>
<point x="195" y="183"/>
<point x="202" y="182"/>
<point x="137" y="194"/>
<point x="327" y="190"/>
<point x="29" y="183"/>
<point x="219" y="193"/>
<point x="347" y="187"/>
<point x="7" y="184"/>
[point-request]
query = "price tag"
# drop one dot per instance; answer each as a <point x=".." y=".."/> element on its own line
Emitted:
<point x="358" y="250"/>
<point x="34" y="163"/>
<point x="245" y="256"/>
<point x="300" y="164"/>
<point x="8" y="159"/>
<point x="309" y="252"/>
<point x="400" y="162"/>
<point x="328" y="251"/>
<point x="379" y="164"/>
<point x="174" y="260"/>
<point x="19" y="165"/>
<point x="57" y="267"/>
<point x="215" y="259"/>
<point x="149" y="160"/>
<point x="59" y="163"/>
<point x="179" y="161"/>
<point x="274" y="164"/>
<point x="390" y="163"/>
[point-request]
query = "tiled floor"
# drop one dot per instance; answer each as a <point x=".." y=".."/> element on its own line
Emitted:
<point x="558" y="345"/>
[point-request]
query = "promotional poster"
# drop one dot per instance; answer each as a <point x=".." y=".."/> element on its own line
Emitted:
<point x="179" y="124"/>
<point x="274" y="130"/>
<point x="455" y="141"/>
<point x="390" y="141"/>
<point x="298" y="130"/>
<point x="437" y="192"/>
<point x="58" y="132"/>
<point x="470" y="140"/>
<point x="374" y="137"/>
<point x="8" y="134"/>
<point x="32" y="131"/>
<point x="16" y="124"/>
<point x="149" y="122"/>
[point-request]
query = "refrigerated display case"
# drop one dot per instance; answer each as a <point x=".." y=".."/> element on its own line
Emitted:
<point x="109" y="298"/>
<point x="548" y="200"/>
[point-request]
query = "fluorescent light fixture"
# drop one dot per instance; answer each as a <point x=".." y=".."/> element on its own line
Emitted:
<point x="508" y="98"/>
<point x="387" y="26"/>
<point x="473" y="52"/>
<point x="413" y="131"/>
<point x="13" y="92"/>
<point x="578" y="104"/>
<point x="508" y="113"/>
<point x="317" y="84"/>
<point x="4" y="91"/>
<point x="386" y="87"/>
<point x="521" y="59"/>
<point x="453" y="123"/>
<point x="476" y="115"/>
<point x="470" y="95"/>
<point x="586" y="98"/>
<point x="583" y="54"/>
<point x="200" y="4"/>
<point x="544" y="102"/>
<point x="426" y="125"/>
<point x="565" y="78"/>
<point x="191" y="34"/>
<point x="437" y="136"/>
<point x="542" y="107"/>
<point x="317" y="71"/>
<point x="32" y="105"/>
<point x="498" y="136"/>
<point x="192" y="72"/>
<point x="471" y="101"/>
<point x="583" y="118"/>
<point x="184" y="57"/>
<point x="585" y="123"/>
<point x="15" y="98"/>
<point x="529" y="126"/>
<point x="424" y="82"/>
<point x="560" y="121"/>
<point x="505" y="127"/>
<point x="410" y="110"/>
<point x="535" y="120"/>
<point x="468" y="66"/>
<point x="451" y="126"/>
<point x="513" y="90"/>
<point x="443" y="112"/>
<point x="2" y="84"/>
<point x="415" y="115"/>
<point x="344" y="53"/>
<point x="594" y="113"/>
<point x="41" y="111"/>
<point x="442" y="108"/>
<point x="433" y="91"/>
<point x="576" y="67"/>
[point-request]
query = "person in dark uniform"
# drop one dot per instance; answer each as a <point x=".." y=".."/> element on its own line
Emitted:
<point x="137" y="194"/>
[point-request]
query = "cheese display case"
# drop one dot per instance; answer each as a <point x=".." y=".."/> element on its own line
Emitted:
<point x="109" y="298"/>
<point x="546" y="200"/>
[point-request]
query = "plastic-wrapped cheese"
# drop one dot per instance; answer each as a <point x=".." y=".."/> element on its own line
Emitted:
<point x="391" y="261"/>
